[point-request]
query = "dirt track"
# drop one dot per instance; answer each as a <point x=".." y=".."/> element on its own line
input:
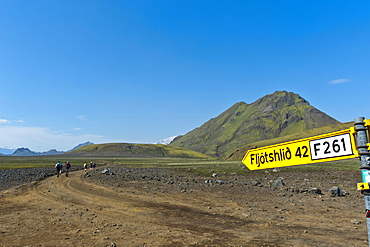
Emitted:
<point x="112" y="210"/>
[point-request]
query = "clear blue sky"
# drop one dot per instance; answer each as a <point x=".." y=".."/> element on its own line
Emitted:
<point x="141" y="71"/>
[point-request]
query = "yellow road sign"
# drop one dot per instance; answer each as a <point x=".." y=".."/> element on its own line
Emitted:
<point x="327" y="147"/>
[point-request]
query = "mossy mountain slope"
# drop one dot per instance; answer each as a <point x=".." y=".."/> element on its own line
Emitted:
<point x="274" y="115"/>
<point x="135" y="150"/>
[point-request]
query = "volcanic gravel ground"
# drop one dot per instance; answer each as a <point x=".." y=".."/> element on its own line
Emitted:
<point x="122" y="206"/>
<point x="15" y="177"/>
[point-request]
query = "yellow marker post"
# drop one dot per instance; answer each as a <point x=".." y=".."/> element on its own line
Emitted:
<point x="363" y="186"/>
<point x="337" y="145"/>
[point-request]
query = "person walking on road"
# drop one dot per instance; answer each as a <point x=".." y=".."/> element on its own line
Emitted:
<point x="68" y="165"/>
<point x="58" y="168"/>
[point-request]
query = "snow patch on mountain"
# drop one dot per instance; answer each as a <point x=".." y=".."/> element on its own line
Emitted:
<point x="166" y="141"/>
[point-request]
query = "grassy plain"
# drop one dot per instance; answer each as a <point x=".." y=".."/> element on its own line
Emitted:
<point x="200" y="166"/>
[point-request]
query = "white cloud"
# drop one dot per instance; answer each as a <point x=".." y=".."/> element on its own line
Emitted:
<point x="66" y="132"/>
<point x="82" y="117"/>
<point x="43" y="139"/>
<point x="337" y="81"/>
<point x="4" y="121"/>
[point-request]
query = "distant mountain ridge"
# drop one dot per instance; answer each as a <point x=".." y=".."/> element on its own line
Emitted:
<point x="274" y="115"/>
<point x="27" y="152"/>
<point x="6" y="151"/>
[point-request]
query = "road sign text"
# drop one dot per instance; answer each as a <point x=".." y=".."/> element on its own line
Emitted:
<point x="328" y="147"/>
<point x="276" y="155"/>
<point x="331" y="147"/>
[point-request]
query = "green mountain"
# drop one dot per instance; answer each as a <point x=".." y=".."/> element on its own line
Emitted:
<point x="134" y="150"/>
<point x="279" y="114"/>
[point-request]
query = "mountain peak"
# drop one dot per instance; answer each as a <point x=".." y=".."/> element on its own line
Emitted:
<point x="278" y="114"/>
<point x="281" y="98"/>
<point x="81" y="145"/>
<point x="24" y="152"/>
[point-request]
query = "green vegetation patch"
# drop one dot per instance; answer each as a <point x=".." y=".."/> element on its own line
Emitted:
<point x="15" y="162"/>
<point x="135" y="150"/>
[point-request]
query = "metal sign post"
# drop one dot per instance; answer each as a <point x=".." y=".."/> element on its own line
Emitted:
<point x="362" y="147"/>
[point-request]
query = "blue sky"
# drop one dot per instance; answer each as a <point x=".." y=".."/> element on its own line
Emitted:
<point x="141" y="71"/>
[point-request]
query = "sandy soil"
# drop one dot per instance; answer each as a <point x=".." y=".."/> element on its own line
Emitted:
<point x="157" y="207"/>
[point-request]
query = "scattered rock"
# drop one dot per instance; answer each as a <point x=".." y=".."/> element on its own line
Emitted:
<point x="246" y="215"/>
<point x="256" y="183"/>
<point x="219" y="181"/>
<point x="276" y="169"/>
<point x="106" y="171"/>
<point x="356" y="222"/>
<point x="278" y="183"/>
<point x="44" y="175"/>
<point x="314" y="191"/>
<point x="336" y="191"/>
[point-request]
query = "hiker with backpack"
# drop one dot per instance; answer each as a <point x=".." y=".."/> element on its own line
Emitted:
<point x="58" y="167"/>
<point x="68" y="165"/>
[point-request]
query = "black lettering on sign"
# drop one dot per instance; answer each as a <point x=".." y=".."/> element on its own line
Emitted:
<point x="272" y="156"/>
<point x="316" y="148"/>
<point x="305" y="148"/>
<point x="302" y="152"/>
<point x="336" y="147"/>
<point x="330" y="147"/>
<point x="288" y="154"/>
<point x="344" y="144"/>
<point x="327" y="144"/>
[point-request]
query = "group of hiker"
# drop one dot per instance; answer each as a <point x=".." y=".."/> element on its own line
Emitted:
<point x="59" y="167"/>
